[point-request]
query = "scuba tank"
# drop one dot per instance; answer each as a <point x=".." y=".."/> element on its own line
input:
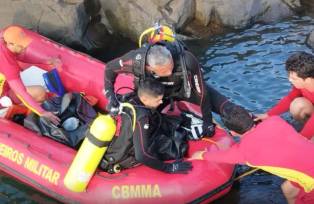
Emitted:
<point x="92" y="150"/>
<point x="90" y="153"/>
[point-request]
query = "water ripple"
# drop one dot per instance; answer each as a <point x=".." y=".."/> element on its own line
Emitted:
<point x="249" y="66"/>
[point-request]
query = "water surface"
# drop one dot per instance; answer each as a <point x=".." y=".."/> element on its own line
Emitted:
<point x="249" y="68"/>
<point x="246" y="66"/>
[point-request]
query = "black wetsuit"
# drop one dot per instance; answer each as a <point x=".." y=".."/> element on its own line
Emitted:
<point x="201" y="94"/>
<point x="130" y="148"/>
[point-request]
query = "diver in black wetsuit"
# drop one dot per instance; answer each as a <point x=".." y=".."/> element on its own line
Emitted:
<point x="131" y="148"/>
<point x="177" y="69"/>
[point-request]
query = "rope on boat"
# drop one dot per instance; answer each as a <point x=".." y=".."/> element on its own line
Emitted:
<point x="210" y="140"/>
<point x="246" y="174"/>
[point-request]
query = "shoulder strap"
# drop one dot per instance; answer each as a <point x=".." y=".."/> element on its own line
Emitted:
<point x="140" y="62"/>
<point x="186" y="83"/>
<point x="176" y="48"/>
<point x="178" y="52"/>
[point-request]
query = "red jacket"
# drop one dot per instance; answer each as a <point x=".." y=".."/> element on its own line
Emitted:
<point x="283" y="106"/>
<point x="10" y="69"/>
<point x="272" y="143"/>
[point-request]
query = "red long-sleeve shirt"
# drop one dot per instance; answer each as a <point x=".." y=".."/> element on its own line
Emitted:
<point x="10" y="75"/>
<point x="284" y="104"/>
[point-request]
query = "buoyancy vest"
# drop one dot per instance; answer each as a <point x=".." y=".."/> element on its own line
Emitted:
<point x="120" y="153"/>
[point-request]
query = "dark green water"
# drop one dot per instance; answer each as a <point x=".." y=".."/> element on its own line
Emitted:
<point x="246" y="66"/>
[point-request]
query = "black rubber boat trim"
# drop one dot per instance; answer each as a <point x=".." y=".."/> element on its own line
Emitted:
<point x="216" y="190"/>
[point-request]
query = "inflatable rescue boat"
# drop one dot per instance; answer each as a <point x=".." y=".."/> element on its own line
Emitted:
<point x="42" y="163"/>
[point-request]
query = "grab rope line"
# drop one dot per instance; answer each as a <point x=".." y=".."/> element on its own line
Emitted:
<point x="212" y="141"/>
<point x="242" y="175"/>
<point x="221" y="188"/>
<point x="246" y="174"/>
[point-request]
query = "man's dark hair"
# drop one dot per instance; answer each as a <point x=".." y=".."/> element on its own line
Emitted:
<point x="237" y="119"/>
<point x="151" y="87"/>
<point x="301" y="63"/>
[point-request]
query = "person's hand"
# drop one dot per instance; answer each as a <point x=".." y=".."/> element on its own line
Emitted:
<point x="51" y="117"/>
<point x="55" y="62"/>
<point x="198" y="155"/>
<point x="217" y="124"/>
<point x="208" y="130"/>
<point x="113" y="106"/>
<point x="259" y="117"/>
<point x="179" y="167"/>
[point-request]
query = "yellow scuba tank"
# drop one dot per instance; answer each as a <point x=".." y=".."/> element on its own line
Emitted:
<point x="90" y="153"/>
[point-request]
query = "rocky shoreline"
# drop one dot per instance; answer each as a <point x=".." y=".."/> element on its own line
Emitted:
<point x="90" y="25"/>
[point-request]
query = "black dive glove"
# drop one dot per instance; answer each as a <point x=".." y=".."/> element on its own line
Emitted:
<point x="113" y="106"/>
<point x="208" y="130"/>
<point x="179" y="167"/>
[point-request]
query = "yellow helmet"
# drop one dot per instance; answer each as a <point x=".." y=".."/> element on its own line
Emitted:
<point x="162" y="33"/>
<point x="158" y="33"/>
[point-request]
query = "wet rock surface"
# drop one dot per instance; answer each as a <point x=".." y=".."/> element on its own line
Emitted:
<point x="310" y="40"/>
<point x="308" y="7"/>
<point x="90" y="24"/>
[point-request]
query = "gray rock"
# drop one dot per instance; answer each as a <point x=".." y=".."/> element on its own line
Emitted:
<point x="7" y="10"/>
<point x="66" y="21"/>
<point x="277" y="10"/>
<point x="73" y="1"/>
<point x="180" y="12"/>
<point x="131" y="18"/>
<point x="293" y="4"/>
<point x="308" y="6"/>
<point x="241" y="13"/>
<point x="49" y="18"/>
<point x="89" y="23"/>
<point x="310" y="40"/>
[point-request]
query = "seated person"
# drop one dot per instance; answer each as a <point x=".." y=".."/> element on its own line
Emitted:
<point x="132" y="147"/>
<point x="75" y="113"/>
<point x="277" y="136"/>
<point x="300" y="100"/>
<point x="13" y="45"/>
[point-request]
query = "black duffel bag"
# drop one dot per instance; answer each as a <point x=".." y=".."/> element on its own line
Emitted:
<point x="170" y="140"/>
<point x="75" y="113"/>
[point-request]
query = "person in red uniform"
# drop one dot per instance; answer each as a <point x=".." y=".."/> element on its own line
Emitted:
<point x="13" y="46"/>
<point x="272" y="145"/>
<point x="300" y="100"/>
